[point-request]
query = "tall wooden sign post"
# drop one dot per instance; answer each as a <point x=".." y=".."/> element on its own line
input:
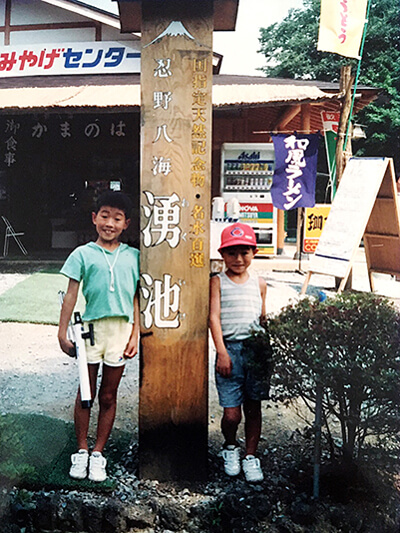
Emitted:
<point x="176" y="117"/>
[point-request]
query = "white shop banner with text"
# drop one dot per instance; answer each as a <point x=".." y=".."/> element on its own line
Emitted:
<point x="105" y="57"/>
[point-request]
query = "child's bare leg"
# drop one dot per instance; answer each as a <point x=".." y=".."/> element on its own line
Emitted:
<point x="230" y="423"/>
<point x="252" y="425"/>
<point x="108" y="404"/>
<point x="82" y="416"/>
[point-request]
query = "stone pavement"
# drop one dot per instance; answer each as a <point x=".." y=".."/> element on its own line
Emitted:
<point x="292" y="271"/>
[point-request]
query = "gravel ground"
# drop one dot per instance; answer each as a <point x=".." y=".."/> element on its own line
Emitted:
<point x="35" y="376"/>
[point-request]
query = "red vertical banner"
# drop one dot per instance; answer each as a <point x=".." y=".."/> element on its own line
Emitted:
<point x="176" y="116"/>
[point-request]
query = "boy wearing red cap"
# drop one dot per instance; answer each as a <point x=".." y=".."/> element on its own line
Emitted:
<point x="237" y="303"/>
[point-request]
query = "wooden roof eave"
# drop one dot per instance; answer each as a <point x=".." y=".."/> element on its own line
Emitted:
<point x="253" y="105"/>
<point x="88" y="11"/>
<point x="130" y="11"/>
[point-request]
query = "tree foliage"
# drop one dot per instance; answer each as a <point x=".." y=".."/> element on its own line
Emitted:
<point x="349" y="344"/>
<point x="290" y="49"/>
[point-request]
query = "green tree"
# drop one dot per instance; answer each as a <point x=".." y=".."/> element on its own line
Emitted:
<point x="290" y="49"/>
<point x="349" y="345"/>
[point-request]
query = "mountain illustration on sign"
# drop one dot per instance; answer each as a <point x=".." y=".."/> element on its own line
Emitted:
<point x="175" y="29"/>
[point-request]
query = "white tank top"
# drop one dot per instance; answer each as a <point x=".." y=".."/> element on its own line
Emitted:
<point x="240" y="307"/>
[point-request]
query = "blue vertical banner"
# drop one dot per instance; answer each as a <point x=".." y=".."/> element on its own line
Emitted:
<point x="295" y="170"/>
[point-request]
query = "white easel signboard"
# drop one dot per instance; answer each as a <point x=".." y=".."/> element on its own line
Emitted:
<point x="365" y="205"/>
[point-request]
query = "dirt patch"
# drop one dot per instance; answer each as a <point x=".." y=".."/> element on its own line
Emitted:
<point x="37" y="377"/>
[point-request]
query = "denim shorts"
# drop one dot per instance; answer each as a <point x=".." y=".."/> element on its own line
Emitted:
<point x="241" y="384"/>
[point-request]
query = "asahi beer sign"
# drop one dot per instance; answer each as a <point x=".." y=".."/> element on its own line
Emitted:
<point x="71" y="58"/>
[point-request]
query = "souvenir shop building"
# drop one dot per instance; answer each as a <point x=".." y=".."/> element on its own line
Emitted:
<point x="70" y="116"/>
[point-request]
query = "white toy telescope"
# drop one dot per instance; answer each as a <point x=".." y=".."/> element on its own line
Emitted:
<point x="77" y="336"/>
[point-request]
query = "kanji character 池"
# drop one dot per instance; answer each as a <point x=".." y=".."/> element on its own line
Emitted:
<point x="162" y="302"/>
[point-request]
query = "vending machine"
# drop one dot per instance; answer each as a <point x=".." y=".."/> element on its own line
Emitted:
<point x="246" y="174"/>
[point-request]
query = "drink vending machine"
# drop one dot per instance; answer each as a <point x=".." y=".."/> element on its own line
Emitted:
<point x="246" y="174"/>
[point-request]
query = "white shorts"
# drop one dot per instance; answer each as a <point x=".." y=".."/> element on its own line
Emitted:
<point x="111" y="335"/>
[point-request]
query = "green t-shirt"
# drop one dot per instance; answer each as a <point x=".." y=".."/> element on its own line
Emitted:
<point x="91" y="264"/>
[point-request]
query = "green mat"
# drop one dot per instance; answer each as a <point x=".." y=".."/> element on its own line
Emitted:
<point x="35" y="300"/>
<point x="36" y="451"/>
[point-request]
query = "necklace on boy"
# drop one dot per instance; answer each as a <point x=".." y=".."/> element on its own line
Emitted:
<point x="111" y="267"/>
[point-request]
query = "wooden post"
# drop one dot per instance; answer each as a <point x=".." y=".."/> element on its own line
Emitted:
<point x="280" y="237"/>
<point x="317" y="439"/>
<point x="305" y="127"/>
<point x="176" y="143"/>
<point x="346" y="83"/>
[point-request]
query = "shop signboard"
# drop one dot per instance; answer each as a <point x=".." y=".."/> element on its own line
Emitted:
<point x="260" y="213"/>
<point x="314" y="222"/>
<point x="102" y="57"/>
<point x="295" y="174"/>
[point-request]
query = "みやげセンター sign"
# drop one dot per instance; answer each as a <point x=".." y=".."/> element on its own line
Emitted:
<point x="105" y="57"/>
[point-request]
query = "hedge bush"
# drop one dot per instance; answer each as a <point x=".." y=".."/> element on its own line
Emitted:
<point x="350" y="344"/>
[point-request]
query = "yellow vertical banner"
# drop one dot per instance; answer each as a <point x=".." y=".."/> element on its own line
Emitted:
<point x="315" y="218"/>
<point x="341" y="26"/>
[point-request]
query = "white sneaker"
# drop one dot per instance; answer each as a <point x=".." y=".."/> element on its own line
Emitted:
<point x="97" y="467"/>
<point x="252" y="469"/>
<point x="79" y="464"/>
<point x="231" y="458"/>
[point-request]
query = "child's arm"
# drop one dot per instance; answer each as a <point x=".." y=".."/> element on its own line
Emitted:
<point x="224" y="363"/>
<point x="69" y="302"/>
<point x="263" y="290"/>
<point x="132" y="347"/>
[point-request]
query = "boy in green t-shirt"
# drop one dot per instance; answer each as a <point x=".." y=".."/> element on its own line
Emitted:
<point x="109" y="272"/>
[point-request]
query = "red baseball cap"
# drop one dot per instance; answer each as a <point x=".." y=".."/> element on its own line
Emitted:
<point x="236" y="235"/>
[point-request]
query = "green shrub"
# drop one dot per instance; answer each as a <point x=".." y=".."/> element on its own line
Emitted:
<point x="350" y="344"/>
<point x="260" y="357"/>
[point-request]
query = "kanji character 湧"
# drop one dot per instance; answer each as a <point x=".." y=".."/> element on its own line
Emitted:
<point x="163" y="215"/>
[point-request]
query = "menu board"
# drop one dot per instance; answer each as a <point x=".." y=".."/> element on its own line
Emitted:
<point x="349" y="216"/>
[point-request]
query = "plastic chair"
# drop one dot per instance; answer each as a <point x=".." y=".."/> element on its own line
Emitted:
<point x="11" y="233"/>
